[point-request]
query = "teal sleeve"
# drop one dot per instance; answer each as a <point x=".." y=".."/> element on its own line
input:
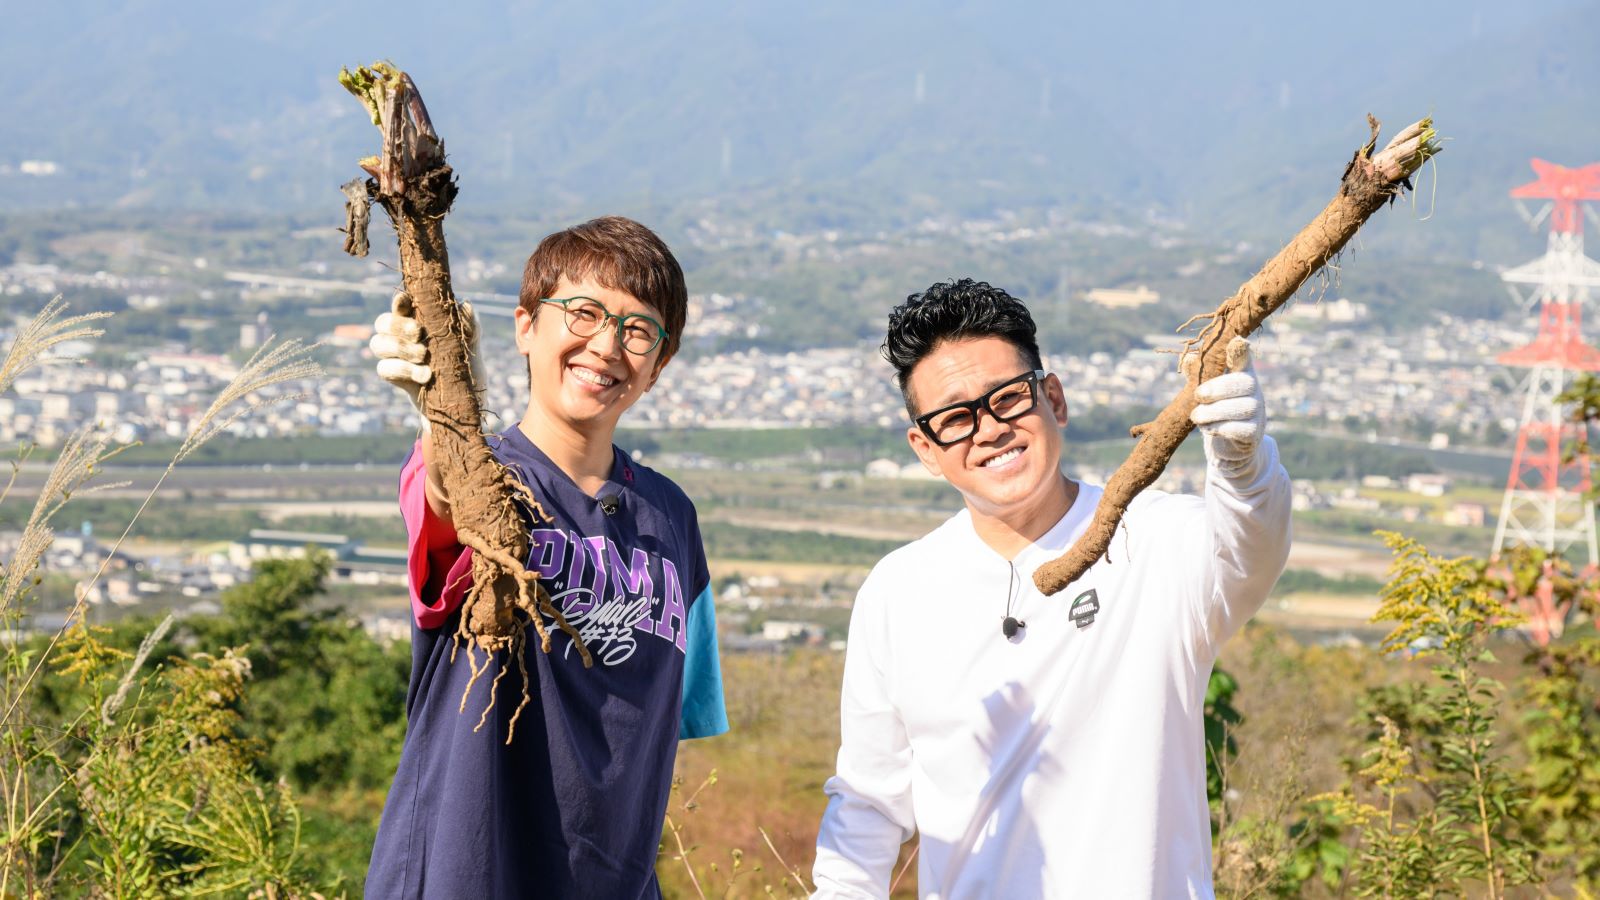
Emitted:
<point x="703" y="711"/>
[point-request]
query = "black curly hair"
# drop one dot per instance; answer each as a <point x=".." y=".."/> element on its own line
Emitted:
<point x="950" y="311"/>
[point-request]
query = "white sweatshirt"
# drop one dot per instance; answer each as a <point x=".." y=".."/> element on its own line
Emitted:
<point x="1068" y="761"/>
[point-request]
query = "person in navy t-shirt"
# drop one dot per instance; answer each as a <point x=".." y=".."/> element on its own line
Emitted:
<point x="573" y="807"/>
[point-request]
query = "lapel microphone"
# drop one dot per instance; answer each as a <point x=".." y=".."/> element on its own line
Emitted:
<point x="1010" y="625"/>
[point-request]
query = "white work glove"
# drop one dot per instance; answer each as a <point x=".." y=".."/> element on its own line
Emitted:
<point x="1232" y="414"/>
<point x="402" y="350"/>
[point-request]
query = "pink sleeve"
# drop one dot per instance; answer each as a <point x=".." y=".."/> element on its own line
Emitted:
<point x="432" y="548"/>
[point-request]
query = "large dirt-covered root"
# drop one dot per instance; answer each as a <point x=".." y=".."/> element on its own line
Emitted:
<point x="415" y="188"/>
<point x="1370" y="181"/>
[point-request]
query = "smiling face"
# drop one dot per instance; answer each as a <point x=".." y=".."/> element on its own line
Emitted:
<point x="1006" y="471"/>
<point x="584" y="384"/>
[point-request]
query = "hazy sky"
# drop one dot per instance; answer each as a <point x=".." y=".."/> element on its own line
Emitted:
<point x="1158" y="98"/>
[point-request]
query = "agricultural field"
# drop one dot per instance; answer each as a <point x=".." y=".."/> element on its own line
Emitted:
<point x="765" y="498"/>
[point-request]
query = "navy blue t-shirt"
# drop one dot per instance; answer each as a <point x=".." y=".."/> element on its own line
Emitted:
<point x="574" y="806"/>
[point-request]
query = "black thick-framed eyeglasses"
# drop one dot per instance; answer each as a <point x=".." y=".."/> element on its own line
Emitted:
<point x="586" y="316"/>
<point x="1006" y="401"/>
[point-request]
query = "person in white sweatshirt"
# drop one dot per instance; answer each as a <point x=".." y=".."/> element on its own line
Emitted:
<point x="1041" y="746"/>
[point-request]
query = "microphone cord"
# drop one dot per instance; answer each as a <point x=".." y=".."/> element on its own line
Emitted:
<point x="1009" y="626"/>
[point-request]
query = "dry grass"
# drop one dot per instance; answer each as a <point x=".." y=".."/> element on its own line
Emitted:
<point x="269" y="366"/>
<point x="46" y="330"/>
<point x="767" y="800"/>
<point x="123" y="779"/>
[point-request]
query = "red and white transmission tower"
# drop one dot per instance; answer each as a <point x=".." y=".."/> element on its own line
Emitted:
<point x="1546" y="504"/>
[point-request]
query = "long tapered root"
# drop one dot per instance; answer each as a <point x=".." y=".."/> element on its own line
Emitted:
<point x="472" y="660"/>
<point x="494" y="694"/>
<point x="530" y="502"/>
<point x="1370" y="181"/>
<point x="511" y="727"/>
<point x="411" y="182"/>
<point x="531" y="598"/>
<point x="548" y="606"/>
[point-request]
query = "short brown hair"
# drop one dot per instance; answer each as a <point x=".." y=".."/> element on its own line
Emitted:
<point x="620" y="254"/>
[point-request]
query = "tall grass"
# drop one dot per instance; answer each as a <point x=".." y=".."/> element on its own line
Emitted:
<point x="140" y="785"/>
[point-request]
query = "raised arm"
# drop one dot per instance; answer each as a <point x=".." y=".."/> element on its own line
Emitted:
<point x="1247" y="498"/>
<point x="401" y="346"/>
<point x="439" y="568"/>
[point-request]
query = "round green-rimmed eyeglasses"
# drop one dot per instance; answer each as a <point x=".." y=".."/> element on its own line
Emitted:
<point x="587" y="317"/>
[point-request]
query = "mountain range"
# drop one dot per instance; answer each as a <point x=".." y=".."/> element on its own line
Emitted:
<point x="1234" y="118"/>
